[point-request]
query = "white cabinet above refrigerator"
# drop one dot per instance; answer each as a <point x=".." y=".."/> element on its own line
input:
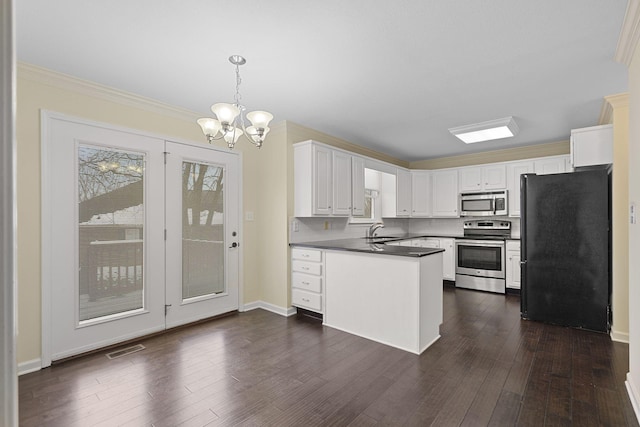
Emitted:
<point x="592" y="146"/>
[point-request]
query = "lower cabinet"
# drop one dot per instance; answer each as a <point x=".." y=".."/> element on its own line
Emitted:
<point x="513" y="264"/>
<point x="307" y="277"/>
<point x="448" y="257"/>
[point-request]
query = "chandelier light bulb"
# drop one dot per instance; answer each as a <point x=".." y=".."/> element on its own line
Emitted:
<point x="226" y="113"/>
<point x="232" y="135"/>
<point x="210" y="127"/>
<point x="260" y="119"/>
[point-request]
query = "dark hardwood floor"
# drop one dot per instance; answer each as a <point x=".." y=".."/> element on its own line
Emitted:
<point x="258" y="368"/>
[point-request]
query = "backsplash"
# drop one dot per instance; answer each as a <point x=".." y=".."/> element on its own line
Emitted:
<point x="329" y="228"/>
<point x="453" y="226"/>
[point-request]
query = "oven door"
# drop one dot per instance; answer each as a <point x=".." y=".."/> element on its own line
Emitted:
<point x="483" y="258"/>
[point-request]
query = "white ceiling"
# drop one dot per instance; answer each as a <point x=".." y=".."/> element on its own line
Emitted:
<point x="389" y="75"/>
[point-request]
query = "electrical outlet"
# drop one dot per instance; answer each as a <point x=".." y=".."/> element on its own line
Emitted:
<point x="295" y="225"/>
<point x="326" y="225"/>
<point x="632" y="213"/>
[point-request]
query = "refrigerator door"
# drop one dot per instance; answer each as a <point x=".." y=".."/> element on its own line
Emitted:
<point x="565" y="249"/>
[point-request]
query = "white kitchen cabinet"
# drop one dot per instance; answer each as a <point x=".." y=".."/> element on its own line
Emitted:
<point x="357" y="186"/>
<point x="514" y="170"/>
<point x="403" y="192"/>
<point x="425" y="242"/>
<point x="444" y="192"/>
<point x="448" y="258"/>
<point x="313" y="178"/>
<point x="513" y="264"/>
<point x="420" y="193"/>
<point x="592" y="146"/>
<point x="485" y="178"/>
<point x="307" y="279"/>
<point x="341" y="181"/>
<point x="549" y="165"/>
<point x="327" y="182"/>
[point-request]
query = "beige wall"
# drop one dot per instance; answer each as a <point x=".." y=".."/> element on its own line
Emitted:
<point x="620" y="220"/>
<point x="273" y="254"/>
<point x="634" y="229"/>
<point x="39" y="89"/>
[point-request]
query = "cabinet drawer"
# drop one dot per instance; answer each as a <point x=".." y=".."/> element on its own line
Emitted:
<point x="306" y="299"/>
<point x="306" y="254"/>
<point x="306" y="267"/>
<point x="306" y="282"/>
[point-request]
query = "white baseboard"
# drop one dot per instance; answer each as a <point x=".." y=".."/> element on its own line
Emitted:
<point x="269" y="307"/>
<point x="619" y="336"/>
<point x="634" y="395"/>
<point x="29" y="366"/>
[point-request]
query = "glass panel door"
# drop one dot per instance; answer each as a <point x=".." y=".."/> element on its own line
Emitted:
<point x="103" y="236"/>
<point x="203" y="236"/>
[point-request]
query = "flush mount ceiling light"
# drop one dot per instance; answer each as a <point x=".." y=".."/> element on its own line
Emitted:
<point x="486" y="131"/>
<point x="229" y="121"/>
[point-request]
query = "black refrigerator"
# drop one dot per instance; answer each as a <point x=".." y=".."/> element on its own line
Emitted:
<point x="565" y="231"/>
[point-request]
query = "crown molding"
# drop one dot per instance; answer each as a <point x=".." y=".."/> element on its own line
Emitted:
<point x="504" y="155"/>
<point x="609" y="104"/>
<point x="619" y="100"/>
<point x="606" y="113"/>
<point x="629" y="34"/>
<point x="95" y="90"/>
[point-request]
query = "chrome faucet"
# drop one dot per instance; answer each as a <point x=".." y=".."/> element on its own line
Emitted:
<point x="374" y="227"/>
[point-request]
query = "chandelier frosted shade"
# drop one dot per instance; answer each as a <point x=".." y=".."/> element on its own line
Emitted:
<point x="229" y="122"/>
<point x="232" y="135"/>
<point x="210" y="127"/>
<point x="260" y="119"/>
<point x="226" y="113"/>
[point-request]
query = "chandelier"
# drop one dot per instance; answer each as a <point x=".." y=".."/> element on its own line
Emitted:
<point x="229" y="123"/>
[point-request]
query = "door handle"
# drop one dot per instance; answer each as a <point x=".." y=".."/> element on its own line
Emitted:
<point x="234" y="245"/>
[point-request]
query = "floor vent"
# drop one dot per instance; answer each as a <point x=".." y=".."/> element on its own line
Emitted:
<point x="125" y="351"/>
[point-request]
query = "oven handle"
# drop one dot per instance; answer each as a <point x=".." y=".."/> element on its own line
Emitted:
<point x="480" y="243"/>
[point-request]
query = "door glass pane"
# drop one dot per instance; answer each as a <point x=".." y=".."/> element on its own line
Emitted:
<point x="202" y="230"/>
<point x="111" y="230"/>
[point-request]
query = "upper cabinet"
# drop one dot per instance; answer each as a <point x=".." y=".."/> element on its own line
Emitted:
<point x="331" y="182"/>
<point x="357" y="186"/>
<point x="341" y="183"/>
<point x="514" y="170"/>
<point x="484" y="178"/>
<point x="549" y="165"/>
<point x="420" y="194"/>
<point x="592" y="146"/>
<point x="327" y="182"/>
<point x="444" y="193"/>
<point x="403" y="192"/>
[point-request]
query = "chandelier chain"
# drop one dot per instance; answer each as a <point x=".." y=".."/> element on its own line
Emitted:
<point x="238" y="97"/>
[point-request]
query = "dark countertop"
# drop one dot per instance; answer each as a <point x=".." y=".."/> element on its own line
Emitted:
<point x="372" y="246"/>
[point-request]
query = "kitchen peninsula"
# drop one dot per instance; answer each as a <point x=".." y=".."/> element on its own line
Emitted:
<point x="386" y="293"/>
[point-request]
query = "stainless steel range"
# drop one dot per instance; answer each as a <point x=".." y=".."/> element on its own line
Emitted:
<point x="480" y="255"/>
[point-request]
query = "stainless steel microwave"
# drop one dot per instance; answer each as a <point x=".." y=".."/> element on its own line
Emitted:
<point x="488" y="203"/>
